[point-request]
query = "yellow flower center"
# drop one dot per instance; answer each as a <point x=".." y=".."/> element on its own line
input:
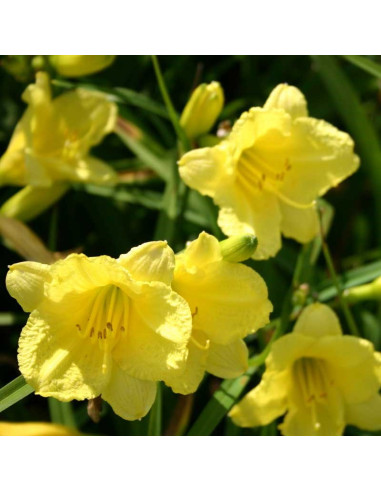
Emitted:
<point x="256" y="174"/>
<point x="71" y="146"/>
<point x="312" y="380"/>
<point x="107" y="318"/>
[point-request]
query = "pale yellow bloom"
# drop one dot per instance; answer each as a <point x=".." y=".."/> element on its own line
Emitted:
<point x="80" y="65"/>
<point x="202" y="109"/>
<point x="102" y="326"/>
<point x="319" y="377"/>
<point x="266" y="175"/>
<point x="228" y="301"/>
<point x="52" y="141"/>
<point x="35" y="429"/>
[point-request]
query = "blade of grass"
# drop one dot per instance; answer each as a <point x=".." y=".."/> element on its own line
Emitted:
<point x="13" y="392"/>
<point x="366" y="64"/>
<point x="221" y="402"/>
<point x="348" y="104"/>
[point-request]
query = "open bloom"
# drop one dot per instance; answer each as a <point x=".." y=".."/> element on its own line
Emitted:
<point x="102" y="326"/>
<point x="51" y="142"/>
<point x="319" y="377"/>
<point x="228" y="301"/>
<point x="266" y="175"/>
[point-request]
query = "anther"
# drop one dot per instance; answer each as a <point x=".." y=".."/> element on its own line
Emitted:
<point x="122" y="328"/>
<point x="99" y="335"/>
<point x="79" y="327"/>
<point x="92" y="332"/>
<point x="195" y="311"/>
<point x="104" y="332"/>
<point x="109" y="325"/>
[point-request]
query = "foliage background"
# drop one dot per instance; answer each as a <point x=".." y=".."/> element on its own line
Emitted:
<point x="110" y="223"/>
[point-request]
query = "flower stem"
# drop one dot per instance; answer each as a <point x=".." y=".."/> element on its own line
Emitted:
<point x="343" y="303"/>
<point x="154" y="424"/>
<point x="168" y="103"/>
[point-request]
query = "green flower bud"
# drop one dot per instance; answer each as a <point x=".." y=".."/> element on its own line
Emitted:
<point x="366" y="292"/>
<point x="202" y="109"/>
<point x="238" y="248"/>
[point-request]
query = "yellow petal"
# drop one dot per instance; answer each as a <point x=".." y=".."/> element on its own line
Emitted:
<point x="227" y="361"/>
<point x="25" y="282"/>
<point x="130" y="398"/>
<point x="365" y="415"/>
<point x="227" y="300"/>
<point x="78" y="273"/>
<point x="315" y="419"/>
<point x="289" y="98"/>
<point x="88" y="170"/>
<point x="256" y="214"/>
<point x="55" y="361"/>
<point x="207" y="169"/>
<point x="203" y="250"/>
<point x="320" y="157"/>
<point x="187" y="381"/>
<point x="288" y="348"/>
<point x="88" y="116"/>
<point x="318" y="320"/>
<point x="156" y="340"/>
<point x="258" y="124"/>
<point x="264" y="403"/>
<point x="165" y="313"/>
<point x="35" y="429"/>
<point x="299" y="224"/>
<point x="154" y="261"/>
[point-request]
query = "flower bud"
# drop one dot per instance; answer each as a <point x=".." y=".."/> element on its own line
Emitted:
<point x="80" y="65"/>
<point x="31" y="201"/>
<point x="202" y="109"/>
<point x="366" y="292"/>
<point x="238" y="248"/>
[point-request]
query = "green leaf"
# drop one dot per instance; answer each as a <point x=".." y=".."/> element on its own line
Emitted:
<point x="365" y="63"/>
<point x="14" y="392"/>
<point x="160" y="166"/>
<point x="348" y="104"/>
<point x="220" y="403"/>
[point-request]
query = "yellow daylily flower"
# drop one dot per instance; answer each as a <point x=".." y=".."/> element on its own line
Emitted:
<point x="35" y="429"/>
<point x="102" y="326"/>
<point x="51" y="142"/>
<point x="319" y="377"/>
<point x="228" y="301"/>
<point x="80" y="65"/>
<point x="267" y="173"/>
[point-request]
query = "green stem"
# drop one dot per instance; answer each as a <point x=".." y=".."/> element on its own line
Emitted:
<point x="155" y="416"/>
<point x="170" y="108"/>
<point x="343" y="303"/>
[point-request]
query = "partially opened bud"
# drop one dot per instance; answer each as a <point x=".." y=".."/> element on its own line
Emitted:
<point x="31" y="201"/>
<point x="79" y="65"/>
<point x="367" y="292"/>
<point x="238" y="248"/>
<point x="202" y="109"/>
